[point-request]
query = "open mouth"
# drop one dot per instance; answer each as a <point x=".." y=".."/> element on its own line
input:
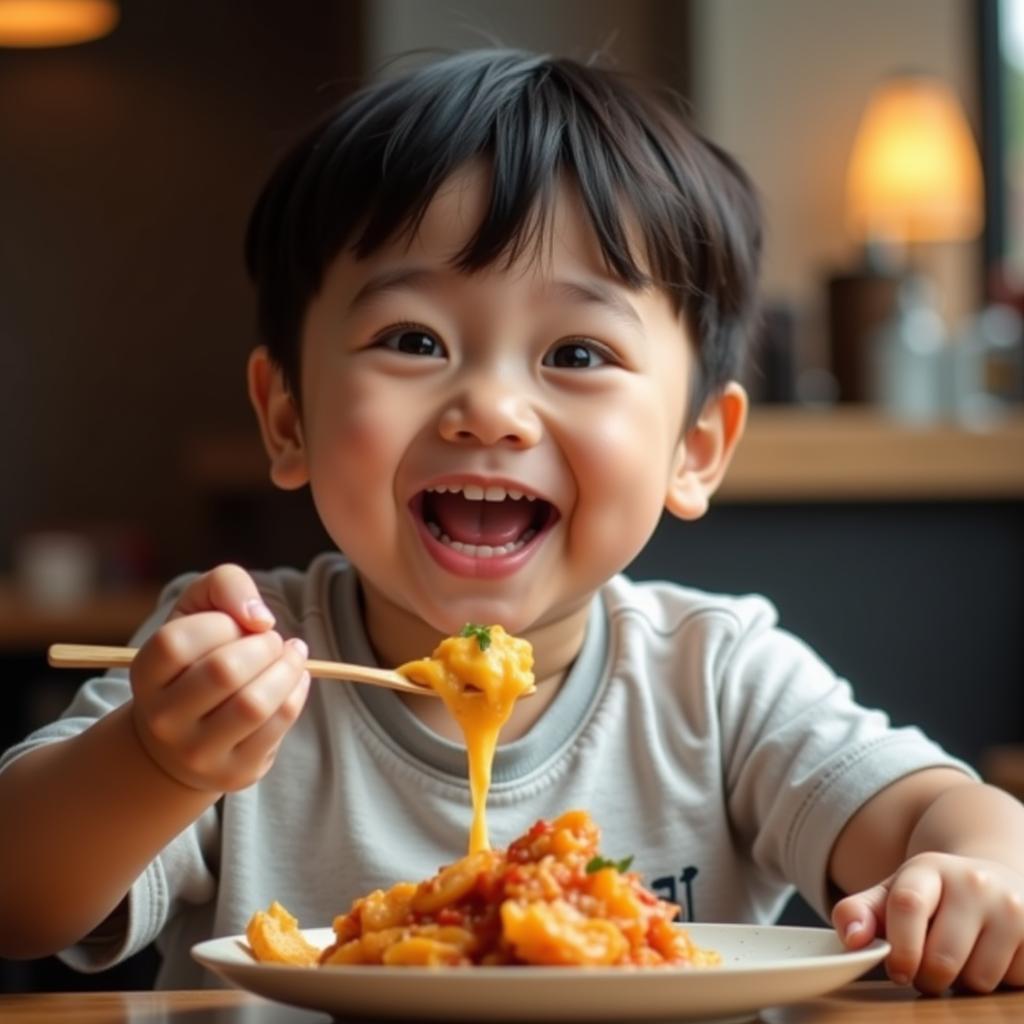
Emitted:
<point x="483" y="522"/>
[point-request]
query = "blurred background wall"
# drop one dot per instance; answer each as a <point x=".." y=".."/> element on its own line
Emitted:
<point x="128" y="169"/>
<point x="130" y="165"/>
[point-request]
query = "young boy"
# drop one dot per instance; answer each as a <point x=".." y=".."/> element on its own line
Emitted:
<point x="504" y="301"/>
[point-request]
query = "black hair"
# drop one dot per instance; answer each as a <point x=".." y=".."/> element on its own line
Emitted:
<point x="367" y="173"/>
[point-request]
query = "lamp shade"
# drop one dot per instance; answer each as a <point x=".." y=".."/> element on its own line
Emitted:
<point x="914" y="173"/>
<point x="40" y="23"/>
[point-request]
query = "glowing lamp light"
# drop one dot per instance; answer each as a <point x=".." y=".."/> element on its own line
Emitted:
<point x="34" y="24"/>
<point x="914" y="173"/>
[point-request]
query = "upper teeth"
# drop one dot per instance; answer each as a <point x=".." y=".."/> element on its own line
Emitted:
<point x="474" y="492"/>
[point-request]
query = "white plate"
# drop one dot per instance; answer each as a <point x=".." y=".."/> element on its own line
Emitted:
<point x="762" y="966"/>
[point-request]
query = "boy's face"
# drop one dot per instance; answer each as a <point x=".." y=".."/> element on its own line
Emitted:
<point x="548" y="389"/>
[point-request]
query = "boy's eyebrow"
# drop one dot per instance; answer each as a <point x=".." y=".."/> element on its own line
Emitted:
<point x="595" y="292"/>
<point x="389" y="280"/>
<point x="590" y="291"/>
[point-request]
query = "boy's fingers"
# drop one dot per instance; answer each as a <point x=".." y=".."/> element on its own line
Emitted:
<point x="914" y="896"/>
<point x="250" y="709"/>
<point x="269" y="736"/>
<point x="229" y="589"/>
<point x="213" y="679"/>
<point x="259" y="749"/>
<point x="1015" y="972"/>
<point x="947" y="948"/>
<point x="859" y="918"/>
<point x="991" y="959"/>
<point x="178" y="644"/>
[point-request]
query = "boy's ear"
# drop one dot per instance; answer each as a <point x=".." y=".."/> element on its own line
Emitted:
<point x="703" y="454"/>
<point x="279" y="421"/>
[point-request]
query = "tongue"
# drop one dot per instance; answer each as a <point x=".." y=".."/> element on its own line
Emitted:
<point x="481" y="522"/>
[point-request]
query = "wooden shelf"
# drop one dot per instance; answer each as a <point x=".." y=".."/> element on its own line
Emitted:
<point x="108" y="618"/>
<point x="788" y="454"/>
<point x="853" y="454"/>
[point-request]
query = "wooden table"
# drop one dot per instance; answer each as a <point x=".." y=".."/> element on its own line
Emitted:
<point x="866" y="1002"/>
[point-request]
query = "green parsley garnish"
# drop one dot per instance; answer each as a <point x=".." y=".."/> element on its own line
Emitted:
<point x="597" y="863"/>
<point x="482" y="634"/>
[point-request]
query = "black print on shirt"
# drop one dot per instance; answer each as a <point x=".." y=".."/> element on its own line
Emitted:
<point x="666" y="886"/>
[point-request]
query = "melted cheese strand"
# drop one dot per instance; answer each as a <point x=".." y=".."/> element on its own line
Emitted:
<point x="480" y="688"/>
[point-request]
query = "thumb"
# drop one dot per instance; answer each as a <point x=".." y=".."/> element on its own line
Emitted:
<point x="860" y="917"/>
<point x="229" y="589"/>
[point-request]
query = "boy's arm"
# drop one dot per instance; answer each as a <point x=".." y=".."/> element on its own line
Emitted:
<point x="214" y="691"/>
<point x="936" y="864"/>
<point x="84" y="817"/>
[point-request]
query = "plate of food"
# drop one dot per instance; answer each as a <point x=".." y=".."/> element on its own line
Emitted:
<point x="547" y="929"/>
<point x="760" y="966"/>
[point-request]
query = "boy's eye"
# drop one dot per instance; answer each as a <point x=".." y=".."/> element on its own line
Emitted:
<point x="412" y="341"/>
<point x="575" y="355"/>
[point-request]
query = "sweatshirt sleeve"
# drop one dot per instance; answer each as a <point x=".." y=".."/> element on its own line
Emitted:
<point x="800" y="755"/>
<point x="180" y="872"/>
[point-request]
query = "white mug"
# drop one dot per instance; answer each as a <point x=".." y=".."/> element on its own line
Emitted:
<point x="55" y="569"/>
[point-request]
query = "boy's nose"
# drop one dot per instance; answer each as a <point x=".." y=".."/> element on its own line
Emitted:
<point x="489" y="414"/>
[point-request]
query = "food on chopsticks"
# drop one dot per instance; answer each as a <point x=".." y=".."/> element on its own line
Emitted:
<point x="550" y="899"/>
<point x="479" y="674"/>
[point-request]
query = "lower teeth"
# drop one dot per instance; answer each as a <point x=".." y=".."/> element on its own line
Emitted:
<point x="480" y="550"/>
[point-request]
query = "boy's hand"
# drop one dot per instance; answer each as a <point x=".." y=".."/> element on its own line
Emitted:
<point x="216" y="688"/>
<point x="950" y="920"/>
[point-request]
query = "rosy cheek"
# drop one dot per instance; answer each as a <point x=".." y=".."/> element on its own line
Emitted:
<point x="616" y="465"/>
<point x="617" y="446"/>
<point x="365" y="431"/>
<point x="350" y="418"/>
<point x="352" y="452"/>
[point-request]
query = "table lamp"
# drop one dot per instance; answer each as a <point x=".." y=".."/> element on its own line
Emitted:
<point x="914" y="177"/>
<point x="32" y="24"/>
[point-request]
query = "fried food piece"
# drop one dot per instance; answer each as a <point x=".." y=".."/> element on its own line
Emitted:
<point x="557" y="934"/>
<point x="275" y="938"/>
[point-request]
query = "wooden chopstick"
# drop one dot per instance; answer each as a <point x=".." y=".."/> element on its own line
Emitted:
<point x="93" y="656"/>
